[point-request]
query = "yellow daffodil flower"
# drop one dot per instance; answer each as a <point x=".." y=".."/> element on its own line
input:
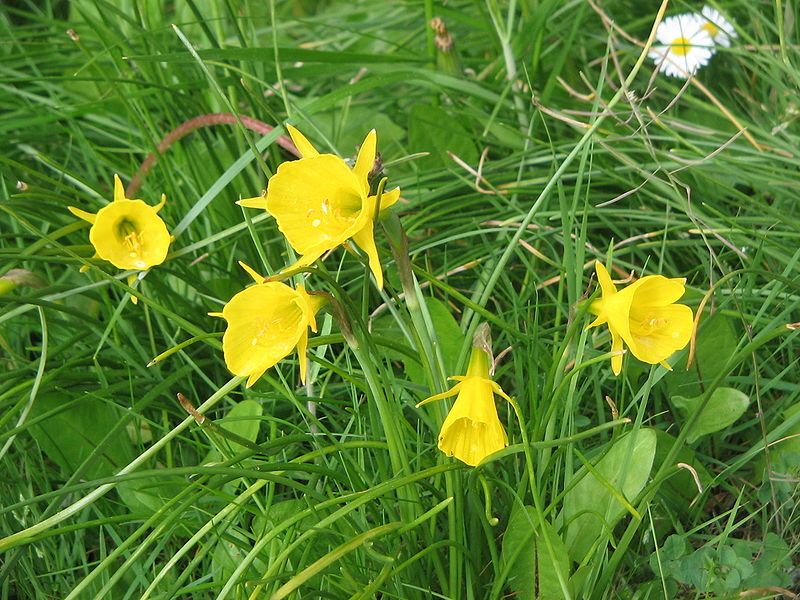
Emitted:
<point x="266" y="322"/>
<point x="127" y="233"/>
<point x="319" y="202"/>
<point x="472" y="430"/>
<point x="644" y="317"/>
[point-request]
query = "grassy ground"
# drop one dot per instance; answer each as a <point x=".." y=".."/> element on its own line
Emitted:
<point x="523" y="156"/>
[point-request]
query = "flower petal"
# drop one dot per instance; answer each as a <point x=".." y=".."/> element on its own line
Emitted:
<point x="388" y="198"/>
<point x="365" y="239"/>
<point x="657" y="290"/>
<point x="617" y="349"/>
<point x="311" y="304"/>
<point x="660" y="331"/>
<point x="252" y="272"/>
<point x="302" y="356"/>
<point x="255" y="202"/>
<point x="317" y="203"/>
<point x="264" y="326"/>
<point x="451" y="392"/>
<point x="130" y="235"/>
<point x="303" y="145"/>
<point x="604" y="279"/>
<point x="472" y="429"/>
<point x="471" y="442"/>
<point x="255" y="377"/>
<point x="119" y="190"/>
<point x="82" y="214"/>
<point x="366" y="159"/>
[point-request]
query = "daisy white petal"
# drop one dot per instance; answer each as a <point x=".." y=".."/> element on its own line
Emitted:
<point x="684" y="45"/>
<point x="718" y="27"/>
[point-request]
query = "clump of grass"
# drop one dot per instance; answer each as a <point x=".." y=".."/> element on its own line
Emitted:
<point x="518" y="172"/>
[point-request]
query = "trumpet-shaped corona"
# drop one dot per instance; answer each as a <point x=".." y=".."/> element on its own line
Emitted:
<point x="472" y="430"/>
<point x="319" y="202"/>
<point x="266" y="323"/>
<point x="128" y="233"/>
<point x="643" y="316"/>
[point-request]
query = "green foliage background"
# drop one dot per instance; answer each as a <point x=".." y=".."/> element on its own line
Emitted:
<point x="516" y="177"/>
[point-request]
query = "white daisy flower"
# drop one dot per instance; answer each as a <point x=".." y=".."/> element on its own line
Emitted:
<point x="719" y="28"/>
<point x="684" y="45"/>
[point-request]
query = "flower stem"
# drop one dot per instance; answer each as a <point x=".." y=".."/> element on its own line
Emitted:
<point x="199" y="122"/>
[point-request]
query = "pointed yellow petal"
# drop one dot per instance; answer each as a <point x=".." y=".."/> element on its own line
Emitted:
<point x="303" y="145"/>
<point x="215" y="314"/>
<point x="255" y="202"/>
<point x="389" y="198"/>
<point x="499" y="391"/>
<point x="451" y="392"/>
<point x="119" y="190"/>
<point x="657" y="290"/>
<point x="82" y="214"/>
<point x="366" y="157"/>
<point x="252" y="272"/>
<point x="132" y="278"/>
<point x="302" y="357"/>
<point x="253" y="378"/>
<point x="604" y="279"/>
<point x="84" y="268"/>
<point x="303" y="261"/>
<point x="161" y="203"/>
<point x="616" y="347"/>
<point x="600" y="320"/>
<point x="365" y="239"/>
<point x="313" y="303"/>
<point x="317" y="301"/>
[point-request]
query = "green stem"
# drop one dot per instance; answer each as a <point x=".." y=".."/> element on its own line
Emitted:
<point x="537" y="502"/>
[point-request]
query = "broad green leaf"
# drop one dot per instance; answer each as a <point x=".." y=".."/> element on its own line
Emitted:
<point x="533" y="573"/>
<point x="716" y="344"/>
<point x="724" y="407"/>
<point x="228" y="554"/>
<point x="449" y="337"/>
<point x="432" y="129"/>
<point x="70" y="435"/>
<point x="773" y="563"/>
<point x="787" y="452"/>
<point x="243" y="420"/>
<point x="147" y="495"/>
<point x="681" y="487"/>
<point x="590" y="508"/>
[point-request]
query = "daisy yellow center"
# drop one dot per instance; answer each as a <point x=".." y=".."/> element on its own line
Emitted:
<point x="712" y="29"/>
<point x="680" y="46"/>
